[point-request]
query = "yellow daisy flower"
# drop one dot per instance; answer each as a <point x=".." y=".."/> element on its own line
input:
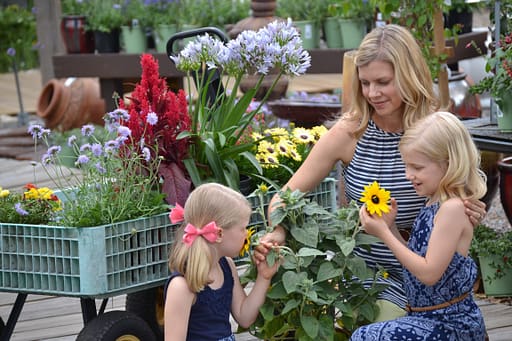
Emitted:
<point x="276" y="133"/>
<point x="302" y="135"/>
<point x="4" y="192"/>
<point x="376" y="199"/>
<point x="318" y="131"/>
<point x="247" y="242"/>
<point x="266" y="147"/>
<point x="284" y="147"/>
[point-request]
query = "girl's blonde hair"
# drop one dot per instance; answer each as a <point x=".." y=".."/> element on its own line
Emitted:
<point x="443" y="138"/>
<point x="394" y="44"/>
<point x="208" y="202"/>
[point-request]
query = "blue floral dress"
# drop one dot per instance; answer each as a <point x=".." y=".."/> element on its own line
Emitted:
<point x="459" y="321"/>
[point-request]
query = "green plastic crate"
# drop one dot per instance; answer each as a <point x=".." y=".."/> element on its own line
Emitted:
<point x="101" y="261"/>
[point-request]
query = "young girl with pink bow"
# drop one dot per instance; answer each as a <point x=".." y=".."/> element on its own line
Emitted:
<point x="204" y="287"/>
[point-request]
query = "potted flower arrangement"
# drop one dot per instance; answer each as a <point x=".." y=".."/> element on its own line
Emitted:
<point x="499" y="82"/>
<point x="493" y="249"/>
<point x="33" y="206"/>
<point x="219" y="116"/>
<point x="315" y="293"/>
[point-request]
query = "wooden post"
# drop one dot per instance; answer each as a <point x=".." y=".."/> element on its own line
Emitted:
<point x="347" y="77"/>
<point x="48" y="34"/>
<point x="440" y="48"/>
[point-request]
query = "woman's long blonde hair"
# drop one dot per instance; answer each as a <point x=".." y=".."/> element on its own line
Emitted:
<point x="394" y="44"/>
<point x="208" y="202"/>
<point x="443" y="138"/>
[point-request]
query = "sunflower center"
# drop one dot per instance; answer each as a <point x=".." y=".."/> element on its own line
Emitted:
<point x="375" y="199"/>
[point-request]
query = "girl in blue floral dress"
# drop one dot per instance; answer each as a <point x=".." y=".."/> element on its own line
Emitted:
<point x="442" y="163"/>
<point x="204" y="288"/>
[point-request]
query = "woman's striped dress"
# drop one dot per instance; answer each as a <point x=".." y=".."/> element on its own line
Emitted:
<point x="377" y="158"/>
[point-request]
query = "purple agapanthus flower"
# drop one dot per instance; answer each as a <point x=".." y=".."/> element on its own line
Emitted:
<point x="11" y="51"/>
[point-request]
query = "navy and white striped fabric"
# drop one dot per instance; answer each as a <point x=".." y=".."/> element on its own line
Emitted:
<point x="377" y="158"/>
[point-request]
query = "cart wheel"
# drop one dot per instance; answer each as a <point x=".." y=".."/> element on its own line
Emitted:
<point x="149" y="305"/>
<point x="116" y="326"/>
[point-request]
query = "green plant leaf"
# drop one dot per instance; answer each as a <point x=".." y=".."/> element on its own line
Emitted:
<point x="327" y="271"/>
<point x="310" y="325"/>
<point x="290" y="305"/>
<point x="291" y="280"/>
<point x="307" y="235"/>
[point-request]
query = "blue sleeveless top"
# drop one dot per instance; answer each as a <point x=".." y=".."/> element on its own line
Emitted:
<point x="377" y="158"/>
<point x="209" y="316"/>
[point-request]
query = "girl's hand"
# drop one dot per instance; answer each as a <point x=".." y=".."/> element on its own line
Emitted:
<point x="266" y="243"/>
<point x="265" y="270"/>
<point x="475" y="210"/>
<point x="376" y="225"/>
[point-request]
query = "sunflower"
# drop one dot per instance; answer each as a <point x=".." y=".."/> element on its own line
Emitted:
<point x="375" y="198"/>
<point x="247" y="242"/>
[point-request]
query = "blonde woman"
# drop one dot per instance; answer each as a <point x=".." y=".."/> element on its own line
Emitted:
<point x="204" y="287"/>
<point x="392" y="89"/>
<point x="442" y="163"/>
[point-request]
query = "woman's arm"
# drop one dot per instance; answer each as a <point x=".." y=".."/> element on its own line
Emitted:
<point x="178" y="302"/>
<point x="449" y="234"/>
<point x="337" y="144"/>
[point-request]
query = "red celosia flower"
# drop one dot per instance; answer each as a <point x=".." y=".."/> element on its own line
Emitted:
<point x="152" y="94"/>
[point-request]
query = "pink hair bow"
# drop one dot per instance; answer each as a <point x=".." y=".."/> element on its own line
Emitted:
<point x="177" y="214"/>
<point x="208" y="232"/>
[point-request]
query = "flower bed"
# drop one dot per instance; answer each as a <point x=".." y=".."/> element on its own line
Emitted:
<point x="99" y="261"/>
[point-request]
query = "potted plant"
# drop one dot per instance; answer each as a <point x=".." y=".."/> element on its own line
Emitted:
<point x="104" y="18"/>
<point x="499" y="82"/>
<point x="460" y="15"/>
<point x="354" y="19"/>
<point x="219" y="116"/>
<point x="493" y="249"/>
<point x="163" y="18"/>
<point x="77" y="38"/>
<point x="306" y="16"/>
<point x="315" y="293"/>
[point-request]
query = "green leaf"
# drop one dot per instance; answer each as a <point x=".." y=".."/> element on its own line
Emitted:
<point x="327" y="271"/>
<point x="310" y="325"/>
<point x="307" y="251"/>
<point x="346" y="245"/>
<point x="307" y="235"/>
<point x="291" y="280"/>
<point x="290" y="305"/>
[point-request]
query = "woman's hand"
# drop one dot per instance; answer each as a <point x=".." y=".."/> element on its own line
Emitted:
<point x="475" y="210"/>
<point x="267" y="242"/>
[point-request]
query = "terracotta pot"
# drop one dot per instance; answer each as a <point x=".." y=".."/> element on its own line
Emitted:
<point x="70" y="103"/>
<point x="505" y="168"/>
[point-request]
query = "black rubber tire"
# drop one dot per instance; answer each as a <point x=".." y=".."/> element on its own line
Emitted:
<point x="149" y="305"/>
<point x="116" y="326"/>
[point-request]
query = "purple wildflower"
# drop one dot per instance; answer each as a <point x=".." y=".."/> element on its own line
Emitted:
<point x="20" y="209"/>
<point x="35" y="130"/>
<point x="152" y="118"/>
<point x="87" y="130"/>
<point x="124" y="131"/>
<point x="97" y="149"/>
<point x="71" y="140"/>
<point x="146" y="154"/>
<point x="85" y="147"/>
<point x="11" y="51"/>
<point x="82" y="159"/>
<point x="100" y="168"/>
